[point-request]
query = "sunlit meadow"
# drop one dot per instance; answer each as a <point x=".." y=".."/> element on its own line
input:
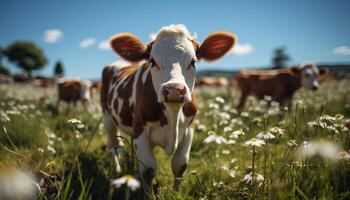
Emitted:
<point x="266" y="152"/>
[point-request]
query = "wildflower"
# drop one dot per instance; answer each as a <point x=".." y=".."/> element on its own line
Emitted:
<point x="292" y="143"/>
<point x="201" y="127"/>
<point x="254" y="142"/>
<point x="339" y="117"/>
<point x="41" y="150"/>
<point x="78" y="135"/>
<point x="232" y="173"/>
<point x="80" y="126"/>
<point x="218" y="184"/>
<point x="257" y="121"/>
<point x="51" y="142"/>
<point x="267" y="98"/>
<point x="215" y="138"/>
<point x="265" y="136"/>
<point x="130" y="181"/>
<point x="258" y="178"/>
<point x="227" y="129"/>
<point x="245" y="114"/>
<point x="51" y="150"/>
<point x="276" y="131"/>
<point x="220" y="100"/>
<point x="327" y="119"/>
<point x="230" y="141"/>
<point x="323" y="148"/>
<point x="4" y="117"/>
<point x="214" y="106"/>
<point x="237" y="133"/>
<point x="299" y="102"/>
<point x="226" y="152"/>
<point x="194" y="172"/>
<point x="74" y="121"/>
<point x="344" y="155"/>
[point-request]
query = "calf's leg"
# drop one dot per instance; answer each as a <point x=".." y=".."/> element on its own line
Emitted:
<point x="114" y="141"/>
<point x="147" y="162"/>
<point x="180" y="158"/>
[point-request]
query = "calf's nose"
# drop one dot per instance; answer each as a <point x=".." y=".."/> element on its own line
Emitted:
<point x="174" y="92"/>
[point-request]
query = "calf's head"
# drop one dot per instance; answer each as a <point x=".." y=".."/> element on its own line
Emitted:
<point x="309" y="73"/>
<point x="172" y="56"/>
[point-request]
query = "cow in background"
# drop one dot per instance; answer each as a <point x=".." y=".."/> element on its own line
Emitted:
<point x="72" y="91"/>
<point x="280" y="84"/>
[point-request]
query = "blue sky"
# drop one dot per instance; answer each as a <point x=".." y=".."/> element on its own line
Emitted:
<point x="317" y="30"/>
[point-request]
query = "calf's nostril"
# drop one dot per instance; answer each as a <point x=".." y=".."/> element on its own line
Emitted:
<point x="165" y="91"/>
<point x="183" y="91"/>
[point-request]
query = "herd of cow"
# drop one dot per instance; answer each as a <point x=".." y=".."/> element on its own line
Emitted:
<point x="152" y="98"/>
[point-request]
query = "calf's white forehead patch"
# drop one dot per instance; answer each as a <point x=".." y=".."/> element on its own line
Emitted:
<point x="173" y="45"/>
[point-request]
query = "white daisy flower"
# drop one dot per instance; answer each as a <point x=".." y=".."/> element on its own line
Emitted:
<point x="215" y="138"/>
<point x="130" y="181"/>
<point x="254" y="142"/>
<point x="344" y="155"/>
<point x="258" y="178"/>
<point x="74" y="121"/>
<point x="220" y="100"/>
<point x="276" y="131"/>
<point x="265" y="136"/>
<point x="51" y="150"/>
<point x="227" y="129"/>
<point x="237" y="133"/>
<point x="292" y="143"/>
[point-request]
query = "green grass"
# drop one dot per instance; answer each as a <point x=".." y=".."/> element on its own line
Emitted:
<point x="81" y="167"/>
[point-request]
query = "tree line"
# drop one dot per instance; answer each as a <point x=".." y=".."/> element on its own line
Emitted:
<point x="27" y="56"/>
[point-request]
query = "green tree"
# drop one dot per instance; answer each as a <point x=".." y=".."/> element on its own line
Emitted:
<point x="59" y="69"/>
<point x="26" y="55"/>
<point x="280" y="58"/>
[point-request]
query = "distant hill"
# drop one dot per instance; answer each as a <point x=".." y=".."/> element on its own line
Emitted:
<point x="338" y="71"/>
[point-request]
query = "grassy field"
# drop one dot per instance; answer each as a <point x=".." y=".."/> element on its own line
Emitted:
<point x="302" y="153"/>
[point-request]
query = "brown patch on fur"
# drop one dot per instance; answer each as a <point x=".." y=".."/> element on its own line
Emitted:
<point x="106" y="98"/>
<point x="147" y="108"/>
<point x="190" y="109"/>
<point x="124" y="92"/>
<point x="69" y="90"/>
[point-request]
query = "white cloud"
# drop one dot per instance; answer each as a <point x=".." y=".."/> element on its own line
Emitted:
<point x="52" y="35"/>
<point x="242" y="49"/>
<point x="87" y="43"/>
<point x="342" y="51"/>
<point x="152" y="36"/>
<point x="104" y="45"/>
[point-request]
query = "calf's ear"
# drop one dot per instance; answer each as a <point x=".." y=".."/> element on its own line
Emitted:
<point x="129" y="47"/>
<point x="324" y="71"/>
<point x="216" y="45"/>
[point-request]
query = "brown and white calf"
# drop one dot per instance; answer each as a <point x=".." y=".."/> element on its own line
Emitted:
<point x="152" y="100"/>
<point x="72" y="91"/>
<point x="279" y="84"/>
